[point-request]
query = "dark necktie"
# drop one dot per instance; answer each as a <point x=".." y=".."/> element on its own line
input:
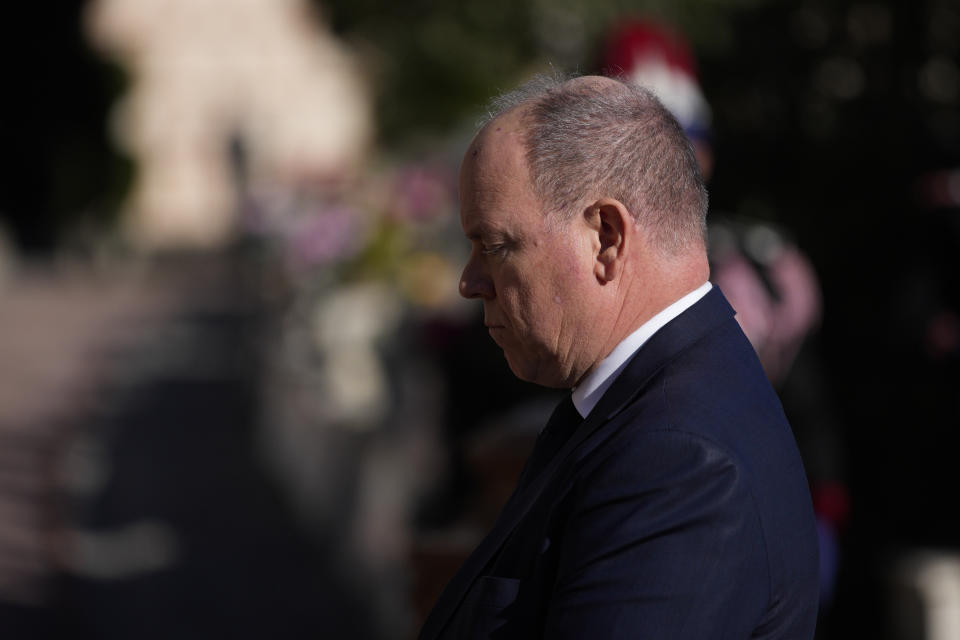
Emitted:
<point x="561" y="424"/>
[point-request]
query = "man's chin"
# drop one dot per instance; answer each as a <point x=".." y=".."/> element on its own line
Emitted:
<point x="520" y="369"/>
<point x="534" y="373"/>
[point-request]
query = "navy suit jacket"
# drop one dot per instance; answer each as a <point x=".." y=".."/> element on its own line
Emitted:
<point x="677" y="509"/>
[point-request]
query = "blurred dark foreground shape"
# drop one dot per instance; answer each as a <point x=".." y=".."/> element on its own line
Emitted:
<point x="131" y="502"/>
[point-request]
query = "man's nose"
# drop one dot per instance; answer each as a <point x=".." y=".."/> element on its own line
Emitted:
<point x="474" y="281"/>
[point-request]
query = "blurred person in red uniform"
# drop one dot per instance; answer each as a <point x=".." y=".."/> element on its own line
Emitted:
<point x="766" y="277"/>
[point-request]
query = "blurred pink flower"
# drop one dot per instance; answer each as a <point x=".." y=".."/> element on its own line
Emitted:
<point x="422" y="193"/>
<point x="324" y="236"/>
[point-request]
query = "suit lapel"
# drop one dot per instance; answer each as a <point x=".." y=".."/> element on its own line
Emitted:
<point x="680" y="333"/>
<point x="562" y="422"/>
<point x="662" y="347"/>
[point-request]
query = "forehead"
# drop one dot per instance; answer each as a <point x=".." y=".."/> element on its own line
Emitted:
<point x="494" y="178"/>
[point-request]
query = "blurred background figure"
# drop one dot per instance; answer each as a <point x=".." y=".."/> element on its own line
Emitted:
<point x="768" y="280"/>
<point x="651" y="54"/>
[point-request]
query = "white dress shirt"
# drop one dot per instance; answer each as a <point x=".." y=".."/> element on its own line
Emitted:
<point x="587" y="394"/>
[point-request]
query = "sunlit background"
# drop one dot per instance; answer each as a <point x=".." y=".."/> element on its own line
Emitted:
<point x="239" y="395"/>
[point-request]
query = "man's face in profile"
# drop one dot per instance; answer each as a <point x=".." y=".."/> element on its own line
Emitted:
<point x="527" y="272"/>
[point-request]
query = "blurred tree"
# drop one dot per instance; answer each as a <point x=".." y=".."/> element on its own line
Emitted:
<point x="431" y="62"/>
<point x="434" y="63"/>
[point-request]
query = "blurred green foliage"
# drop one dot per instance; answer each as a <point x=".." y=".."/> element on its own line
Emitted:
<point x="432" y="61"/>
<point x="435" y="63"/>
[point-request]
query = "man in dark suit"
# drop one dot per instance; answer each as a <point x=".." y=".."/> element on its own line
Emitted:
<point x="665" y="497"/>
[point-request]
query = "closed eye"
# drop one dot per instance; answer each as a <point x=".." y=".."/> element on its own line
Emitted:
<point x="493" y="250"/>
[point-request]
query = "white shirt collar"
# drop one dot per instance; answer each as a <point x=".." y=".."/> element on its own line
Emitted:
<point x="587" y="394"/>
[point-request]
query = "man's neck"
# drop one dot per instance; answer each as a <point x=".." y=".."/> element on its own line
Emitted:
<point x="592" y="386"/>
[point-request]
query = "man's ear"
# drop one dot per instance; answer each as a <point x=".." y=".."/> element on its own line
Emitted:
<point x="611" y="222"/>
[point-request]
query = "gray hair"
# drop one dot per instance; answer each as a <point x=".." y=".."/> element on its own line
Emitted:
<point x="585" y="142"/>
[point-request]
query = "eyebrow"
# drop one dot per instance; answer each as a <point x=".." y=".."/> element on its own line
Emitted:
<point x="481" y="231"/>
<point x="476" y="230"/>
